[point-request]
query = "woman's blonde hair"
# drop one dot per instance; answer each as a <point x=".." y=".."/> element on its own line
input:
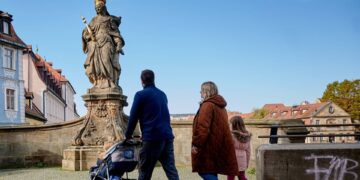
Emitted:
<point x="209" y="88"/>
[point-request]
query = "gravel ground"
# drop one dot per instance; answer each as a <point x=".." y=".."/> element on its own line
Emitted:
<point x="58" y="174"/>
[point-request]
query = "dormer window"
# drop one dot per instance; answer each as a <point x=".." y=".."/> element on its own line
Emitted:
<point x="295" y="112"/>
<point x="5" y="27"/>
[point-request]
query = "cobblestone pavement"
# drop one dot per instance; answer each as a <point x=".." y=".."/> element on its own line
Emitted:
<point x="58" y="174"/>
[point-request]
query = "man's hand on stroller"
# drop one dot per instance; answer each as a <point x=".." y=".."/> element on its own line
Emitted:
<point x="126" y="141"/>
<point x="131" y="141"/>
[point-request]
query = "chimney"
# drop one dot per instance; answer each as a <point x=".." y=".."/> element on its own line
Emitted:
<point x="6" y="15"/>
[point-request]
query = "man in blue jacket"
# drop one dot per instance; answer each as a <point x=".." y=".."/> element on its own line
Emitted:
<point x="151" y="110"/>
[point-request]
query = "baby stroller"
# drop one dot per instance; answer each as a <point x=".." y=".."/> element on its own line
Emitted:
<point x="120" y="158"/>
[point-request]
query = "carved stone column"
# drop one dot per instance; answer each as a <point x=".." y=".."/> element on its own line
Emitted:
<point x="105" y="121"/>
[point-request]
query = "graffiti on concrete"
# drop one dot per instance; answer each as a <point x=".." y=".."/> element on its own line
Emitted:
<point x="337" y="168"/>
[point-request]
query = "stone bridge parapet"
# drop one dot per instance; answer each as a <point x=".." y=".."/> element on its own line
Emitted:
<point x="308" y="161"/>
<point x="26" y="146"/>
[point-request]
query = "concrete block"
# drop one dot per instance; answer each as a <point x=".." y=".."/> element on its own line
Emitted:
<point x="308" y="161"/>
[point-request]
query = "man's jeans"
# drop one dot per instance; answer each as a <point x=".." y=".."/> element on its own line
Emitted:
<point x="153" y="151"/>
<point x="208" y="176"/>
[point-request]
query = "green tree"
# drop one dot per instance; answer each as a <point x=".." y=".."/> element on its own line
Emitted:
<point x="259" y="113"/>
<point x="346" y="94"/>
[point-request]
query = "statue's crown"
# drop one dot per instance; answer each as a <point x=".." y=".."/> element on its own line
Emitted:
<point x="100" y="1"/>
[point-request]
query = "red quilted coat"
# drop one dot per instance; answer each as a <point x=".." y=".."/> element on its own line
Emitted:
<point x="212" y="137"/>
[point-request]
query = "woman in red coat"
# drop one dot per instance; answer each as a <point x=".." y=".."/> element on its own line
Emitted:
<point x="212" y="150"/>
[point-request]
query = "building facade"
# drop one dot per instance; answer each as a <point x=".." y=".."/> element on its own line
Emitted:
<point x="315" y="114"/>
<point x="330" y="114"/>
<point x="53" y="94"/>
<point x="12" y="106"/>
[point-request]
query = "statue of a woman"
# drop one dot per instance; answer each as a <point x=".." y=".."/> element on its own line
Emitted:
<point x="102" y="42"/>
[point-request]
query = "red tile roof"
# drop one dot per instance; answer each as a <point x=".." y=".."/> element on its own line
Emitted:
<point x="243" y="115"/>
<point x="292" y="112"/>
<point x="247" y="115"/>
<point x="56" y="73"/>
<point x="273" y="106"/>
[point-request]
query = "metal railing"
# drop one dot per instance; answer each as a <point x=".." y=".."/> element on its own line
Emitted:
<point x="273" y="137"/>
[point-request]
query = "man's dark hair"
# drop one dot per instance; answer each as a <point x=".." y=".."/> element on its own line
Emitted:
<point x="147" y="77"/>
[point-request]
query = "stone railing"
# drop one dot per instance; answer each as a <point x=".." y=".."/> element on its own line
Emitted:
<point x="24" y="146"/>
<point x="183" y="134"/>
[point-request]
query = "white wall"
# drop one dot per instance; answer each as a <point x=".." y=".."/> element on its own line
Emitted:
<point x="54" y="108"/>
<point x="69" y="95"/>
<point x="33" y="82"/>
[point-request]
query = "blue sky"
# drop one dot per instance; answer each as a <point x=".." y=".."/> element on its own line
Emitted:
<point x="257" y="52"/>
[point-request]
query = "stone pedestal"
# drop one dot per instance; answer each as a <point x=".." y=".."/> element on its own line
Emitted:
<point x="105" y="122"/>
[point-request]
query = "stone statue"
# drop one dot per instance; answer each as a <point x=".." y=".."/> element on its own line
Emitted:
<point x="105" y="120"/>
<point x="103" y="42"/>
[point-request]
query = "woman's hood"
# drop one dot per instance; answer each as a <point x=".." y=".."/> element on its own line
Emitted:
<point x="218" y="100"/>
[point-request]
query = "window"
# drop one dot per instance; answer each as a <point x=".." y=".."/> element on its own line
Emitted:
<point x="10" y="99"/>
<point x="344" y="122"/>
<point x="295" y="112"/>
<point x="331" y="121"/>
<point x="6" y="27"/>
<point x="273" y="114"/>
<point x="349" y="138"/>
<point x="321" y="138"/>
<point x="317" y="123"/>
<point x="9" y="59"/>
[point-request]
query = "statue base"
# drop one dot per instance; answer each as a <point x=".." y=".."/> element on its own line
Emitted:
<point x="105" y="122"/>
<point x="80" y="158"/>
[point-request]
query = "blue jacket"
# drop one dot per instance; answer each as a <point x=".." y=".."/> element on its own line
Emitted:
<point x="151" y="110"/>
